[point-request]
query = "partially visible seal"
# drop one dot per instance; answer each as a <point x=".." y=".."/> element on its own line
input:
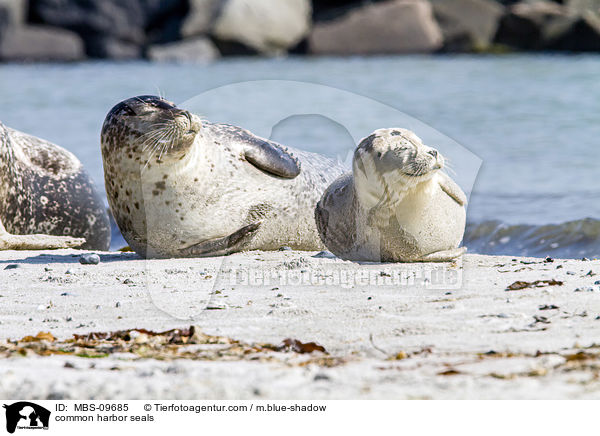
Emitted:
<point x="179" y="186"/>
<point x="396" y="205"/>
<point x="47" y="199"/>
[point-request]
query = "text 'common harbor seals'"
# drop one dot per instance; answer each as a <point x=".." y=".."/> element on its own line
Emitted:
<point x="179" y="186"/>
<point x="395" y="206"/>
<point x="47" y="199"/>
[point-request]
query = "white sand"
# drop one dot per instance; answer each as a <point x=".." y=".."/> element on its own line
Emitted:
<point x="439" y="327"/>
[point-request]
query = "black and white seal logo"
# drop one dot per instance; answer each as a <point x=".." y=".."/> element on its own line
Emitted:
<point x="26" y="415"/>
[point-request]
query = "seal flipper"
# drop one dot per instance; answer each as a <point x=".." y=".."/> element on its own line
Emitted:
<point x="36" y="242"/>
<point x="270" y="157"/>
<point x="450" y="187"/>
<point x="221" y="246"/>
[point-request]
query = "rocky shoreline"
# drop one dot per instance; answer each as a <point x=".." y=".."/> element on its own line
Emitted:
<point x="203" y="30"/>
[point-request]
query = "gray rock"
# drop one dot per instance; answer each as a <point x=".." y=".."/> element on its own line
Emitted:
<point x="12" y="13"/>
<point x="325" y="255"/>
<point x="467" y="24"/>
<point x="124" y="20"/>
<point x="396" y="26"/>
<point x="41" y="43"/>
<point x="107" y="47"/>
<point x="582" y="35"/>
<point x="582" y="6"/>
<point x="266" y="26"/>
<point x="89" y="259"/>
<point x="190" y="50"/>
<point x="200" y="17"/>
<point x="534" y="26"/>
<point x="114" y="28"/>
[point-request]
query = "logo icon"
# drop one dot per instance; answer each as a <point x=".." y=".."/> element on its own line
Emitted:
<point x="26" y="415"/>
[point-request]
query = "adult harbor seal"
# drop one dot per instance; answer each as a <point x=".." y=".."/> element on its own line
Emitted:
<point x="47" y="199"/>
<point x="179" y="186"/>
<point x="395" y="206"/>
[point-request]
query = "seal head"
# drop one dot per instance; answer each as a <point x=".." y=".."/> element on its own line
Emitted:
<point x="396" y="205"/>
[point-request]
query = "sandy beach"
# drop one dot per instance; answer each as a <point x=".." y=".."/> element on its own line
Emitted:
<point x="389" y="331"/>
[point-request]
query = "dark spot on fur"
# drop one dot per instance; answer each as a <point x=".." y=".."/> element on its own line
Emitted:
<point x="137" y="205"/>
<point x="396" y="133"/>
<point x="155" y="193"/>
<point x="161" y="185"/>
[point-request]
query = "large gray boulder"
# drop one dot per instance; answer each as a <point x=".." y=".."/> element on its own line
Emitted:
<point x="268" y="27"/>
<point x="534" y="26"/>
<point x="113" y="26"/>
<point x="583" y="35"/>
<point x="582" y="6"/>
<point x="110" y="47"/>
<point x="40" y="43"/>
<point x="12" y="13"/>
<point x="545" y="25"/>
<point x="467" y="25"/>
<point x="193" y="50"/>
<point x="396" y="26"/>
<point x="200" y="17"/>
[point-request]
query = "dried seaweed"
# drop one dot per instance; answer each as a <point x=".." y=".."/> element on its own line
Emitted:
<point x="187" y="343"/>
<point x="519" y="285"/>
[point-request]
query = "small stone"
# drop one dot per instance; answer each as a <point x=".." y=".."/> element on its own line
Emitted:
<point x="285" y="248"/>
<point x="559" y="267"/>
<point x="585" y="259"/>
<point x="325" y="255"/>
<point x="47" y="269"/>
<point x="12" y="266"/>
<point x="369" y="298"/>
<point x="578" y="290"/>
<point x="118" y="304"/>
<point x="548" y="260"/>
<point x="89" y="259"/>
<point x="597" y="282"/>
<point x="570" y="273"/>
<point x="321" y="377"/>
<point x="68" y="319"/>
<point x="69" y="271"/>
<point x="127" y="282"/>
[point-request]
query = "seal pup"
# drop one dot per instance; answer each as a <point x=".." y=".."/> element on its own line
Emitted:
<point x="396" y="205"/>
<point x="47" y="199"/>
<point x="180" y="186"/>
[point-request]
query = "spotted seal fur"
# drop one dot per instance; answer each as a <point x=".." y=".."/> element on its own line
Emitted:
<point x="179" y="186"/>
<point x="396" y="205"/>
<point x="47" y="199"/>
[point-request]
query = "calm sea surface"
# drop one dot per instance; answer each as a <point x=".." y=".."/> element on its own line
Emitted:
<point x="534" y="121"/>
